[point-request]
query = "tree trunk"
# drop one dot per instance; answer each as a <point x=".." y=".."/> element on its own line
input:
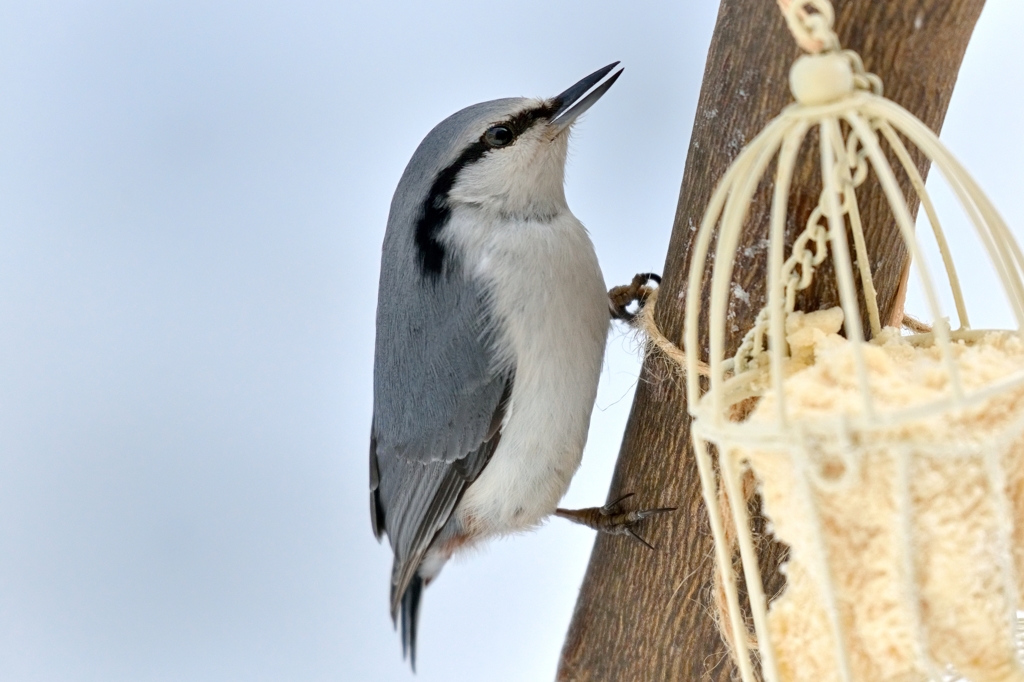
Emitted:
<point x="646" y="616"/>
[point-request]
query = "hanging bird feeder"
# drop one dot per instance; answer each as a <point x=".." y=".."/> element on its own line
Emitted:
<point x="890" y="463"/>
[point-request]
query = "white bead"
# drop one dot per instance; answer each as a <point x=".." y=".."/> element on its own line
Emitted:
<point x="820" y="78"/>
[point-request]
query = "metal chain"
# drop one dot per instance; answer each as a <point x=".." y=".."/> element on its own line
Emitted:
<point x="810" y="248"/>
<point x="810" y="22"/>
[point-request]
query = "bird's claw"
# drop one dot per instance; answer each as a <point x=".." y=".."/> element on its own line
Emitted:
<point x="612" y="520"/>
<point x="637" y="291"/>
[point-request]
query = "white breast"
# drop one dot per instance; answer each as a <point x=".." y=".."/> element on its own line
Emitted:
<point x="551" y="303"/>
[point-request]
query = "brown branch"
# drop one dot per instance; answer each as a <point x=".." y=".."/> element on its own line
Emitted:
<point x="645" y="615"/>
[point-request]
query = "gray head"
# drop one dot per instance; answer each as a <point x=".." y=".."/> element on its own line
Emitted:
<point x="506" y="155"/>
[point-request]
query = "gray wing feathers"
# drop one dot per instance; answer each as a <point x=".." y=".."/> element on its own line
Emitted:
<point x="420" y="499"/>
<point x="439" y="384"/>
<point x="436" y="377"/>
<point x="439" y="394"/>
<point x="436" y="380"/>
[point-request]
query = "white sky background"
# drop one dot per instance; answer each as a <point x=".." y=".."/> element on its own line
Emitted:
<point x="192" y="200"/>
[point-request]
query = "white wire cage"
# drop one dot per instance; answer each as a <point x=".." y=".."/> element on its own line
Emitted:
<point x="891" y="464"/>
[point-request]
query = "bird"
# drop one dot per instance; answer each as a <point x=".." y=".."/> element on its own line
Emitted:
<point x="492" y="319"/>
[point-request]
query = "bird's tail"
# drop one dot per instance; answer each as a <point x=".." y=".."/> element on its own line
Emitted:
<point x="410" y="617"/>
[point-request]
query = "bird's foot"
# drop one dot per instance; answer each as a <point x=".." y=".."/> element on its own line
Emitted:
<point x="622" y="297"/>
<point x="612" y="519"/>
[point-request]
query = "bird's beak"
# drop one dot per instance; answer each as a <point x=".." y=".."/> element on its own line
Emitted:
<point x="568" y="105"/>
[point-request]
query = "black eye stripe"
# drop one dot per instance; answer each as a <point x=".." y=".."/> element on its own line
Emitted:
<point x="524" y="120"/>
<point x="434" y="214"/>
<point x="520" y="123"/>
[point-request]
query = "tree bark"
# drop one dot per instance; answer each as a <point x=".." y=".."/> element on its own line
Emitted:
<point x="645" y="615"/>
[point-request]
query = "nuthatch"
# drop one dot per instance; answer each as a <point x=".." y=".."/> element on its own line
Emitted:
<point x="492" y="317"/>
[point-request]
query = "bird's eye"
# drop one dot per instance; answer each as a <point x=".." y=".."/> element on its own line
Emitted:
<point x="499" y="136"/>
